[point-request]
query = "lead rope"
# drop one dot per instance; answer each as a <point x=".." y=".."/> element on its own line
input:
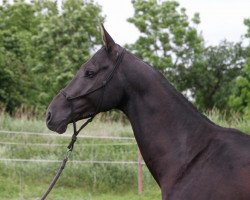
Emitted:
<point x="76" y="132"/>
<point x="71" y="144"/>
<point x="66" y="157"/>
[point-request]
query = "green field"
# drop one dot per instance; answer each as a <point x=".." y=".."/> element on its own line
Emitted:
<point x="88" y="181"/>
<point x="28" y="180"/>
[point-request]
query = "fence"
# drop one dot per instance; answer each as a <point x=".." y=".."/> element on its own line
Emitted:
<point x="139" y="161"/>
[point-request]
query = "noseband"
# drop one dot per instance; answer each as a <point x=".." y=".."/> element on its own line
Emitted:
<point x="70" y="100"/>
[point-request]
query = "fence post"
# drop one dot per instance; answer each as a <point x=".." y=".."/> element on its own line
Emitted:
<point x="140" y="175"/>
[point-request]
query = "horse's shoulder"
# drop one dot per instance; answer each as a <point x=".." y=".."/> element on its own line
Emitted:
<point x="231" y="148"/>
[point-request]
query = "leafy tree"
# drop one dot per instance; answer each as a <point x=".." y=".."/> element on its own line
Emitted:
<point x="41" y="47"/>
<point x="9" y="91"/>
<point x="64" y="41"/>
<point x="240" y="99"/>
<point x="210" y="78"/>
<point x="18" y="23"/>
<point x="169" y="40"/>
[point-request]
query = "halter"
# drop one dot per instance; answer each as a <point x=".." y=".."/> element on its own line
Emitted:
<point x="91" y="116"/>
<point x="99" y="105"/>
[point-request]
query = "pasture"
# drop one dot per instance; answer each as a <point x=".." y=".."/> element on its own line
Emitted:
<point x="86" y="176"/>
<point x="99" y="168"/>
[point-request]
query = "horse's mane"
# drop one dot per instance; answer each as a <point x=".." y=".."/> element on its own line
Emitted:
<point x="181" y="97"/>
<point x="176" y="93"/>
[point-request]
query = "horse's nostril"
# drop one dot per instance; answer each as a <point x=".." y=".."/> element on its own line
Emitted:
<point x="49" y="116"/>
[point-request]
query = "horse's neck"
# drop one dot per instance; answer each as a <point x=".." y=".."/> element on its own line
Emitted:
<point x="168" y="130"/>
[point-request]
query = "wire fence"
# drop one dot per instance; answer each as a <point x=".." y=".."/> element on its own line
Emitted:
<point x="61" y="145"/>
<point x="67" y="135"/>
<point x="116" y="141"/>
<point x="72" y="161"/>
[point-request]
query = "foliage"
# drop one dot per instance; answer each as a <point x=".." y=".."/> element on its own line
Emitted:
<point x="42" y="45"/>
<point x="168" y="40"/>
<point x="17" y="24"/>
<point x="240" y="99"/>
<point x="211" y="78"/>
<point x="64" y="41"/>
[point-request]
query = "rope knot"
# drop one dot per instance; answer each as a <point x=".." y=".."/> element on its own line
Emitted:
<point x="72" y="142"/>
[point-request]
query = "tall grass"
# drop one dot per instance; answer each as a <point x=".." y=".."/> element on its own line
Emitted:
<point x="21" y="124"/>
<point x="22" y="177"/>
<point x="97" y="127"/>
<point x="232" y="120"/>
<point x="25" y="180"/>
<point x="104" y="125"/>
<point x="28" y="180"/>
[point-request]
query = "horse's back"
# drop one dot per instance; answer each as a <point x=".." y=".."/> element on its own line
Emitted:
<point x="221" y="173"/>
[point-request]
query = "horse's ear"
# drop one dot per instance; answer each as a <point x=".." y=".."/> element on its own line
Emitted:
<point x="107" y="39"/>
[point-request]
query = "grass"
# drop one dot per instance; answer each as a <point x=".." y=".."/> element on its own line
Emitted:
<point x="233" y="121"/>
<point x="25" y="180"/>
<point x="16" y="182"/>
<point x="63" y="193"/>
<point x="97" y="127"/>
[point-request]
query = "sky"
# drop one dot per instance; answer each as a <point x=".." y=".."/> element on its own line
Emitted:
<point x="220" y="19"/>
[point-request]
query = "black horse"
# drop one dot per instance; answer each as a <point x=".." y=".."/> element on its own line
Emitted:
<point x="190" y="157"/>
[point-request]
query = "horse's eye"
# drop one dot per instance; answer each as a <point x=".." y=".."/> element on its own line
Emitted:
<point x="89" y="74"/>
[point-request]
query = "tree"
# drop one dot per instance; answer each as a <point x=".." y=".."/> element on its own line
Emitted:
<point x="64" y="41"/>
<point x="240" y="99"/>
<point x="41" y="47"/>
<point x="210" y="78"/>
<point x="18" y="23"/>
<point x="168" y="40"/>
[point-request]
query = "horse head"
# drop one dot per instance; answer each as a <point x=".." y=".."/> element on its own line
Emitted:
<point x="94" y="88"/>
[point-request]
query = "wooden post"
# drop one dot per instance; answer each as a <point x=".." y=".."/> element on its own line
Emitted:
<point x="140" y="175"/>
